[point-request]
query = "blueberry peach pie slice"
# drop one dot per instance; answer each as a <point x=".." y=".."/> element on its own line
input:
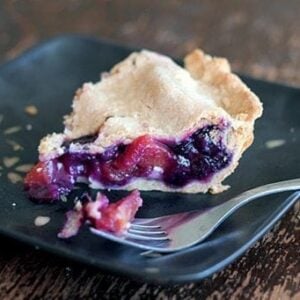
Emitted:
<point x="150" y="124"/>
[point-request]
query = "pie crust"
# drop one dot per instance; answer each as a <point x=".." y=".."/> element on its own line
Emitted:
<point x="148" y="93"/>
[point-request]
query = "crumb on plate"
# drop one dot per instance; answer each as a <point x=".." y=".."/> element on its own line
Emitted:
<point x="14" y="177"/>
<point x="274" y="143"/>
<point x="41" y="221"/>
<point x="10" y="161"/>
<point x="12" y="130"/>
<point x="31" y="110"/>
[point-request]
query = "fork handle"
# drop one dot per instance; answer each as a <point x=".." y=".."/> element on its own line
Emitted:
<point x="232" y="205"/>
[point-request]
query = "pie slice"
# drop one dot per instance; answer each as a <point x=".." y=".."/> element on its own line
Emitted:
<point x="150" y="124"/>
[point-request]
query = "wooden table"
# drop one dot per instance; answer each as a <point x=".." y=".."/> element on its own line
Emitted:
<point x="260" y="37"/>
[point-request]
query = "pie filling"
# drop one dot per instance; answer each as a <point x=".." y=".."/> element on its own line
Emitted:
<point x="196" y="157"/>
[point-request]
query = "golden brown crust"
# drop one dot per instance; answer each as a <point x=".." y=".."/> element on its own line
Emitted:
<point x="148" y="93"/>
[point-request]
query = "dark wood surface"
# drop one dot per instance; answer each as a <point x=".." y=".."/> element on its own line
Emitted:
<point x="261" y="38"/>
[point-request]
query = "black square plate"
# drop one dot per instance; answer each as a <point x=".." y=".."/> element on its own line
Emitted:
<point x="47" y="77"/>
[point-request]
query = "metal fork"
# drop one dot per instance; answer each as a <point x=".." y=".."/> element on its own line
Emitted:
<point x="179" y="231"/>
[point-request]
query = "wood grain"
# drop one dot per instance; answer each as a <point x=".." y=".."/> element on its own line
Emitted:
<point x="259" y="38"/>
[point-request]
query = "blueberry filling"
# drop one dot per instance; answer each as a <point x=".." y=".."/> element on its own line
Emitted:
<point x="197" y="157"/>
